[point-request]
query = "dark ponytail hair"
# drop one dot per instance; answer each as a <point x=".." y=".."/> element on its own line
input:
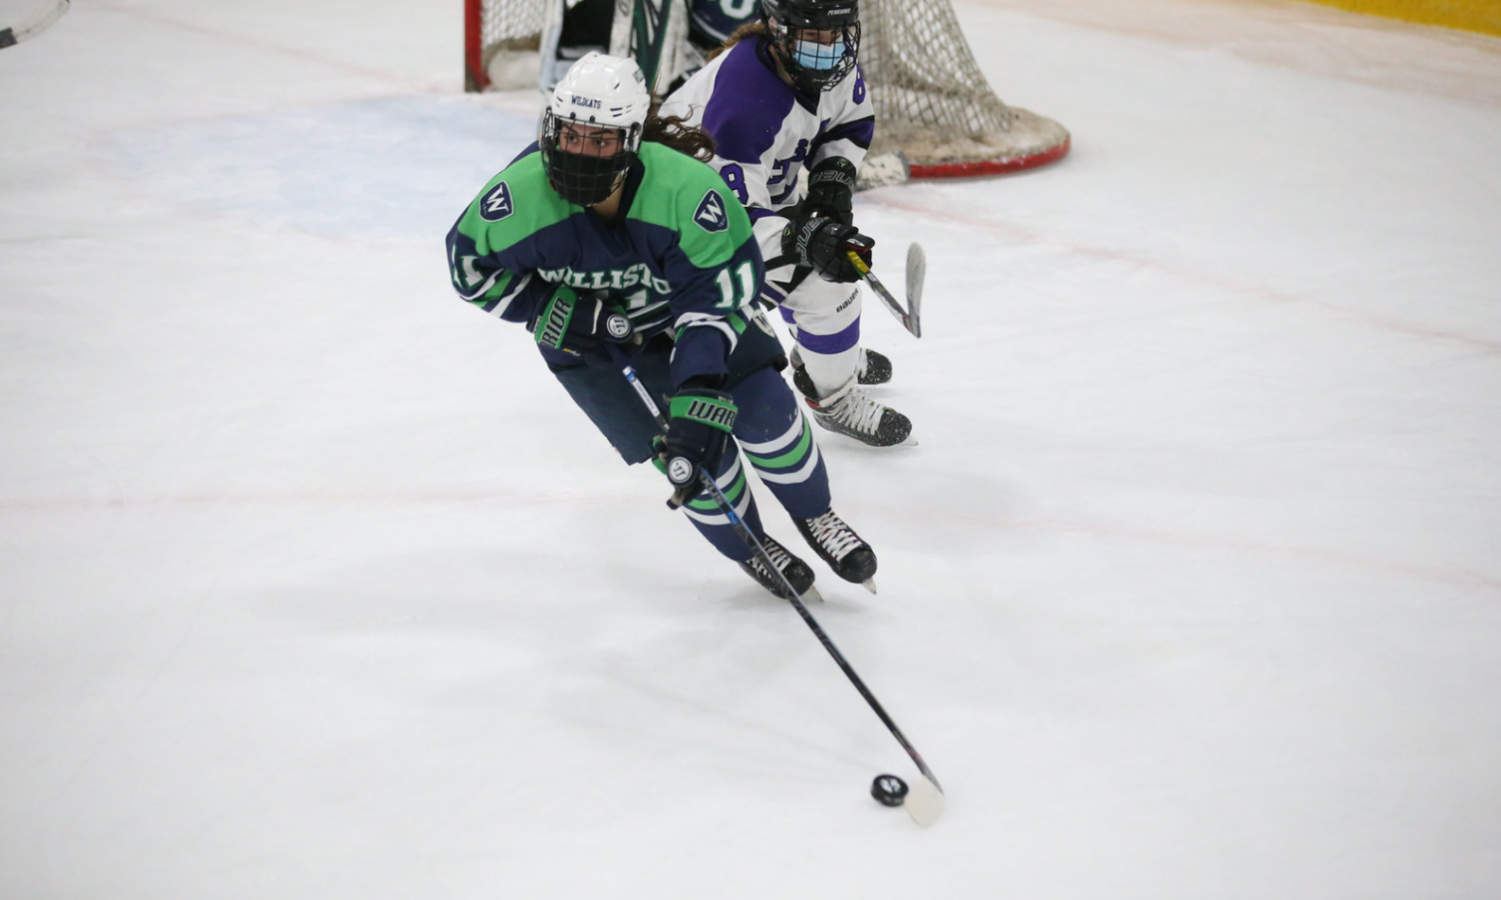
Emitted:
<point x="749" y="29"/>
<point x="674" y="132"/>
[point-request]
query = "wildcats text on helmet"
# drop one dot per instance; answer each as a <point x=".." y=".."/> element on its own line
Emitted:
<point x="613" y="91"/>
<point x="617" y="279"/>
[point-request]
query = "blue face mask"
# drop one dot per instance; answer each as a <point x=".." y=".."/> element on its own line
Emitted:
<point x="813" y="55"/>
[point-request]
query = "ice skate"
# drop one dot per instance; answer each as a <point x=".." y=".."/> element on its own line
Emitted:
<point x="873" y="368"/>
<point x="846" y="553"/>
<point x="850" y="411"/>
<point x="793" y="569"/>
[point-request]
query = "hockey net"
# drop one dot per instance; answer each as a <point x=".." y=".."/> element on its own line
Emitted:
<point x="932" y="103"/>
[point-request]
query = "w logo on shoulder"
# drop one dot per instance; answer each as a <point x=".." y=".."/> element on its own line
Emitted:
<point x="710" y="214"/>
<point x="496" y="205"/>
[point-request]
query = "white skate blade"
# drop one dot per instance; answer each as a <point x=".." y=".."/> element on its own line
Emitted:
<point x="811" y="595"/>
<point x="869" y="584"/>
<point x="924" y="802"/>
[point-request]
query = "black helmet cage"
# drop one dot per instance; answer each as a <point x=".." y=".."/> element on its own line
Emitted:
<point x="580" y="178"/>
<point x="786" y="20"/>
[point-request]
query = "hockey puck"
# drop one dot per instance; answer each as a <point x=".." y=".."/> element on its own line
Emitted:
<point x="889" y="790"/>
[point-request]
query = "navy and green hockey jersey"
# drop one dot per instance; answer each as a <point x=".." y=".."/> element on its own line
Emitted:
<point x="679" y="256"/>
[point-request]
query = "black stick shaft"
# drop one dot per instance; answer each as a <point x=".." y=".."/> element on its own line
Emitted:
<point x="751" y="541"/>
<point x="902" y="315"/>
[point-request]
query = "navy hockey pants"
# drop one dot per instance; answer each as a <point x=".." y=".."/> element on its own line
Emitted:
<point x="773" y="435"/>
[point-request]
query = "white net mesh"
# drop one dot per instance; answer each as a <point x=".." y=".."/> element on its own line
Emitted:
<point x="510" y="25"/>
<point x="920" y="70"/>
<point x="931" y="100"/>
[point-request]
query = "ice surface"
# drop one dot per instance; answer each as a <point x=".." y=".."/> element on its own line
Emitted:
<point x="314" y="585"/>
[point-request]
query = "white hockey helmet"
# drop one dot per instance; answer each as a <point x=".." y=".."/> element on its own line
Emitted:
<point x="608" y="96"/>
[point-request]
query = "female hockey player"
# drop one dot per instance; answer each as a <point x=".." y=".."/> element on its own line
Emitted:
<point x="787" y="94"/>
<point x="607" y="237"/>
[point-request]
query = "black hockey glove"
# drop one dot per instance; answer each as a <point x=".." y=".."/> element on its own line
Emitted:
<point x="831" y="191"/>
<point x="824" y="244"/>
<point x="699" y="422"/>
<point x="579" y="325"/>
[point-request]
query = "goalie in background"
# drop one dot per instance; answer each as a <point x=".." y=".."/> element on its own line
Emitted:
<point x="787" y="94"/>
<point x="669" y="39"/>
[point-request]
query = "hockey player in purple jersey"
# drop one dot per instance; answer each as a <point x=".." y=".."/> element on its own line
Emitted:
<point x="785" y="95"/>
<point x="609" y="240"/>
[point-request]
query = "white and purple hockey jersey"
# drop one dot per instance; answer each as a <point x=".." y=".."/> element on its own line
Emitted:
<point x="767" y="131"/>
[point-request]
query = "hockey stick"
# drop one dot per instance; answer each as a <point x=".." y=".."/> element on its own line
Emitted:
<point x="38" y="22"/>
<point x="655" y="34"/>
<point x="917" y="268"/>
<point x="924" y="801"/>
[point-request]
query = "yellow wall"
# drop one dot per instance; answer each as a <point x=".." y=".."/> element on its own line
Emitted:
<point x="1483" y="16"/>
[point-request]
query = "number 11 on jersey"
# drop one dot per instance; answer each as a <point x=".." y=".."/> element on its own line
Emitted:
<point x="731" y="294"/>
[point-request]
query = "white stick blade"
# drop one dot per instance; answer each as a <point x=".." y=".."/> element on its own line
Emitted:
<point x="917" y="270"/>
<point x="924" y="802"/>
<point x="38" y="22"/>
